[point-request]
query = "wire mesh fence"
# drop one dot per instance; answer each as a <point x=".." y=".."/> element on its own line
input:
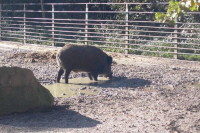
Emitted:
<point x="118" y="27"/>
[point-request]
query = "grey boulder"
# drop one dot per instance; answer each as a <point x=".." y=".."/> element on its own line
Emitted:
<point x="20" y="91"/>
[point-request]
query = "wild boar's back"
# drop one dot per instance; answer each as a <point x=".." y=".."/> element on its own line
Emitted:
<point x="82" y="58"/>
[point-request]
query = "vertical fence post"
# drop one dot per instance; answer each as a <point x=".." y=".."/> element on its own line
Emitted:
<point x="53" y="25"/>
<point x="176" y="41"/>
<point x="0" y="22"/>
<point x="24" y="40"/>
<point x="126" y="31"/>
<point x="86" y="24"/>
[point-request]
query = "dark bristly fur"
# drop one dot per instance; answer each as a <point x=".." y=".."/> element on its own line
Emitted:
<point x="82" y="58"/>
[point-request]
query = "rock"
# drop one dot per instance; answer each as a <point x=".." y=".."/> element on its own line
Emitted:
<point x="63" y="94"/>
<point x="83" y="88"/>
<point x="80" y="101"/>
<point x="20" y="91"/>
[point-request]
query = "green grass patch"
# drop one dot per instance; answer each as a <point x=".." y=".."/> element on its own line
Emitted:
<point x="189" y="57"/>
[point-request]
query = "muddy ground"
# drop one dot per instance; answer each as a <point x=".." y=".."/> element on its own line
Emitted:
<point x="147" y="95"/>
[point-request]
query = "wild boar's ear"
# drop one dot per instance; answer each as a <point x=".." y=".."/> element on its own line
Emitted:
<point x="109" y="60"/>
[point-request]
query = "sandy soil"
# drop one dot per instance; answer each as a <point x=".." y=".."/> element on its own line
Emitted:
<point x="147" y="95"/>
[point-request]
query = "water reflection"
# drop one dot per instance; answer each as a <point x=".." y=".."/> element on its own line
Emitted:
<point x="76" y="86"/>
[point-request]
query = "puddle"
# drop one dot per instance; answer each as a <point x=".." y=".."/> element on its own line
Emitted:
<point x="76" y="86"/>
<point x="79" y="86"/>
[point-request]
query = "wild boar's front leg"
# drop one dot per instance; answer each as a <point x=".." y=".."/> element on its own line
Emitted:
<point x="95" y="75"/>
<point x="90" y="76"/>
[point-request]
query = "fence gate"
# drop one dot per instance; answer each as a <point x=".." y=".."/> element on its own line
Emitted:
<point x="118" y="27"/>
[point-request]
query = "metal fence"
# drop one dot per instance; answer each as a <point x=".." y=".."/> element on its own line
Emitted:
<point x="117" y="27"/>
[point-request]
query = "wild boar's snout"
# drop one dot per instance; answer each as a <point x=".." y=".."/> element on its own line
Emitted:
<point x="109" y="63"/>
<point x="110" y="75"/>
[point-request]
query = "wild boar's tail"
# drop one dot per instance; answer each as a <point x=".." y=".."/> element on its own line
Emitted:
<point x="59" y="62"/>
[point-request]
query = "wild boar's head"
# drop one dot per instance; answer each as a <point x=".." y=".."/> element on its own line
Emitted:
<point x="107" y="72"/>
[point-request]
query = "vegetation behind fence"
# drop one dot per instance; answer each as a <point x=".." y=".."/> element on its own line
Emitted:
<point x="118" y="27"/>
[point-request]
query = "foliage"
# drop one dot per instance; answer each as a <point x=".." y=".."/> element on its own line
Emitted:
<point x="176" y="10"/>
<point x="189" y="57"/>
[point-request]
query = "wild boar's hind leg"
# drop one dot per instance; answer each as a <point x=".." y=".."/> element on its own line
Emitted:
<point x="60" y="72"/>
<point x="95" y="75"/>
<point x="90" y="76"/>
<point x="67" y="72"/>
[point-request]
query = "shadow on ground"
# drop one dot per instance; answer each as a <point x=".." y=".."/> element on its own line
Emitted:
<point x="118" y="82"/>
<point x="56" y="117"/>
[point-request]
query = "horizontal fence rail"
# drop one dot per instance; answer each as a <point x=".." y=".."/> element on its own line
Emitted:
<point x="118" y="27"/>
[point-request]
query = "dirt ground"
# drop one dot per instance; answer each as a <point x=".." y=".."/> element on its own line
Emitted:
<point x="146" y="95"/>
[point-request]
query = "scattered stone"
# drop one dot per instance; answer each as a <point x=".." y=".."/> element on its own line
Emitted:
<point x="150" y="112"/>
<point x="81" y="94"/>
<point x="83" y="88"/>
<point x="80" y="100"/>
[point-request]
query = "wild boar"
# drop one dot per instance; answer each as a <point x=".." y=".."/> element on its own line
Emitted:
<point x="83" y="58"/>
